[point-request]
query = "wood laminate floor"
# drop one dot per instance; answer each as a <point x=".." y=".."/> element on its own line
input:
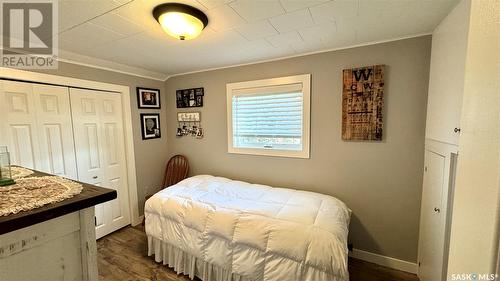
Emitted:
<point x="122" y="256"/>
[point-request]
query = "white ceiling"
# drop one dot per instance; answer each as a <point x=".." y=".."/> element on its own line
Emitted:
<point x="123" y="35"/>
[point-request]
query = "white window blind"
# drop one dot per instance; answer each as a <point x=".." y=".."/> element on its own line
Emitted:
<point x="268" y="117"/>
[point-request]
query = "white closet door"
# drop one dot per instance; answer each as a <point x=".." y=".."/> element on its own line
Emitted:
<point x="36" y="126"/>
<point x="18" y="123"/>
<point x="433" y="216"/>
<point x="55" y="131"/>
<point x="100" y="151"/>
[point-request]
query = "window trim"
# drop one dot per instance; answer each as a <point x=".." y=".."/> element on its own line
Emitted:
<point x="305" y="80"/>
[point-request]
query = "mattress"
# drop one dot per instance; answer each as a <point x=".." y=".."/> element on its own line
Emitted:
<point x="220" y="229"/>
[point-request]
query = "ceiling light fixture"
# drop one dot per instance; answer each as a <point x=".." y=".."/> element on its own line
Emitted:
<point x="180" y="21"/>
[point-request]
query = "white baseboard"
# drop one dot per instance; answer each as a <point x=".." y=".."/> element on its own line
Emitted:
<point x="138" y="220"/>
<point x="384" y="261"/>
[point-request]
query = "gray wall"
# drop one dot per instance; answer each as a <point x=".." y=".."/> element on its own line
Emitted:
<point x="150" y="155"/>
<point x="380" y="181"/>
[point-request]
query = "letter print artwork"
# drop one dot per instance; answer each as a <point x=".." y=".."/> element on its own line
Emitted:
<point x="363" y="103"/>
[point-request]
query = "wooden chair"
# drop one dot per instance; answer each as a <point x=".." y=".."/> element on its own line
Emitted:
<point x="177" y="170"/>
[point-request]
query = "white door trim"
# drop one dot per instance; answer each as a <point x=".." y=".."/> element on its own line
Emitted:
<point x="28" y="76"/>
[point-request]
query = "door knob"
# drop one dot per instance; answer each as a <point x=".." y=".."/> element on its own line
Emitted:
<point x="94" y="177"/>
<point x="437" y="210"/>
<point x="456" y="130"/>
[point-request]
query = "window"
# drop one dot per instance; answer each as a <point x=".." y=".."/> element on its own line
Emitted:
<point x="270" y="116"/>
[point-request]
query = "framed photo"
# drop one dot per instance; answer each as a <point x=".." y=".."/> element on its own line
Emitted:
<point x="189" y="97"/>
<point x="148" y="98"/>
<point x="150" y="125"/>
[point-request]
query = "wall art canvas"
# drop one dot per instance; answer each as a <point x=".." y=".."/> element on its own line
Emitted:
<point x="189" y="97"/>
<point x="363" y="103"/>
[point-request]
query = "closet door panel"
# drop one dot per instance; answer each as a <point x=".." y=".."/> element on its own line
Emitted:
<point x="53" y="138"/>
<point x="116" y="209"/>
<point x="92" y="145"/>
<point x="112" y="160"/>
<point x="18" y="123"/>
<point x="99" y="216"/>
<point x="98" y="126"/>
<point x="114" y="156"/>
<point x="87" y="129"/>
<point x="55" y="130"/>
<point x="22" y="145"/>
<point x="88" y="143"/>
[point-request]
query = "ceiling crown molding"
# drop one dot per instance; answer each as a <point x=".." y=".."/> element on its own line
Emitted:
<point x="73" y="58"/>
<point x="77" y="59"/>
<point x="305" y="54"/>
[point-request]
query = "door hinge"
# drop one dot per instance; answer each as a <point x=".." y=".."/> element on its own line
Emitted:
<point x="418" y="264"/>
<point x="95" y="221"/>
<point x="425" y="168"/>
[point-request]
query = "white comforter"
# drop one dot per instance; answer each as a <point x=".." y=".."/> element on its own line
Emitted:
<point x="252" y="231"/>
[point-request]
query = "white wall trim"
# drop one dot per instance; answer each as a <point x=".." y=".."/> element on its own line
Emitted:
<point x="384" y="261"/>
<point x="115" y="67"/>
<point x="77" y="59"/>
<point x="137" y="74"/>
<point x="306" y="54"/>
<point x="444" y="148"/>
<point x="28" y="76"/>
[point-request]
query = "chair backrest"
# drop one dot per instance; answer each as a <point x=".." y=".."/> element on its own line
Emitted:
<point x="177" y="170"/>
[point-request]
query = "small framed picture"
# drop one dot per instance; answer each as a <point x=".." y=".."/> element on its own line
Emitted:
<point x="148" y="98"/>
<point x="189" y="97"/>
<point x="150" y="125"/>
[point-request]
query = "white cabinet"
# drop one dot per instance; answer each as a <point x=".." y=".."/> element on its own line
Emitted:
<point x="446" y="80"/>
<point x="435" y="212"/>
<point x="444" y="107"/>
<point x="61" y="249"/>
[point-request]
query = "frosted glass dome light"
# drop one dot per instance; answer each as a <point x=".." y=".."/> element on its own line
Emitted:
<point x="180" y="21"/>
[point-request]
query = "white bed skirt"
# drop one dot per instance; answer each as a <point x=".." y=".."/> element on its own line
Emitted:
<point x="187" y="264"/>
<point x="184" y="263"/>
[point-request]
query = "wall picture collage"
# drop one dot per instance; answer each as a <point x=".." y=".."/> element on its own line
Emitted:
<point x="189" y="123"/>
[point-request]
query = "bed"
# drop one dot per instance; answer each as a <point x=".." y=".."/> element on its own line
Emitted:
<point x="224" y="230"/>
